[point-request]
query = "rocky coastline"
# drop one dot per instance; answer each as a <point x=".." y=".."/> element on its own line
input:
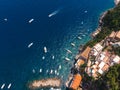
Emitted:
<point x="50" y="82"/>
<point x="98" y="29"/>
<point x="117" y="1"/>
<point x="96" y="32"/>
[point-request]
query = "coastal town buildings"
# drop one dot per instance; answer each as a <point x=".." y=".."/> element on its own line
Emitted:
<point x="96" y="32"/>
<point x="97" y="60"/>
<point x="75" y="82"/>
<point x="100" y="59"/>
<point x="83" y="57"/>
<point x="96" y="49"/>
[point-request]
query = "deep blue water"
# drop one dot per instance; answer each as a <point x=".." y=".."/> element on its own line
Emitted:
<point x="56" y="33"/>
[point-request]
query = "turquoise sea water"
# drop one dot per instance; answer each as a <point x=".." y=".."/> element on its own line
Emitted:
<point x="71" y="19"/>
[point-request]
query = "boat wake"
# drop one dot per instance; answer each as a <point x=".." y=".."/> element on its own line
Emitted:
<point x="54" y="13"/>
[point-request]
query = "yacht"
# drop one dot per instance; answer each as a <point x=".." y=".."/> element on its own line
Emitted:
<point x="79" y="38"/>
<point x="53" y="57"/>
<point x="53" y="13"/>
<point x="30" y="45"/>
<point x="40" y="70"/>
<point x="58" y="73"/>
<point x="47" y="71"/>
<point x="73" y="44"/>
<point x="55" y="71"/>
<point x="5" y="19"/>
<point x="59" y="67"/>
<point x="33" y="70"/>
<point x="9" y="86"/>
<point x="31" y="20"/>
<point x="2" y="87"/>
<point x="43" y="57"/>
<point x="45" y="49"/>
<point x="67" y="59"/>
<point x="82" y="22"/>
<point x="68" y="51"/>
<point x="85" y="11"/>
<point x="51" y="71"/>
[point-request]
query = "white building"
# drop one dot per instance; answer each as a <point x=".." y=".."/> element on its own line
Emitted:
<point x="116" y="59"/>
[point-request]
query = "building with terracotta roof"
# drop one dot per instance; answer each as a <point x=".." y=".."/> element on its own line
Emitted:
<point x="106" y="67"/>
<point x="112" y="35"/>
<point x="106" y="59"/>
<point x="79" y="63"/>
<point x="85" y="54"/>
<point x="76" y="82"/>
<point x="117" y="37"/>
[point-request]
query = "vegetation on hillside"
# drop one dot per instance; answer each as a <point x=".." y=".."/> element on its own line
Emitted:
<point x="111" y="79"/>
<point x="111" y="22"/>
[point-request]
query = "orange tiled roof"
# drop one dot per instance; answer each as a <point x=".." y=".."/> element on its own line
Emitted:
<point x="118" y="35"/>
<point x="81" y="62"/>
<point x="76" y="81"/>
<point x="105" y="67"/>
<point x="85" y="53"/>
<point x="112" y="35"/>
<point x="106" y="59"/>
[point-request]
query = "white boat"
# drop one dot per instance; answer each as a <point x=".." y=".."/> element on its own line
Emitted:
<point x="31" y="20"/>
<point x="30" y="45"/>
<point x="9" y="86"/>
<point x="5" y="19"/>
<point x="79" y="38"/>
<point x="51" y="71"/>
<point x="2" y="87"/>
<point x="67" y="59"/>
<point x="83" y="35"/>
<point x="68" y="51"/>
<point x="33" y="70"/>
<point x="82" y="22"/>
<point x="53" y="57"/>
<point x="54" y="88"/>
<point x="59" y="67"/>
<point x="85" y="11"/>
<point x="53" y="13"/>
<point x="45" y="49"/>
<point x="55" y="71"/>
<point x="73" y="44"/>
<point x="58" y="73"/>
<point x="47" y="71"/>
<point x="43" y="57"/>
<point x="40" y="70"/>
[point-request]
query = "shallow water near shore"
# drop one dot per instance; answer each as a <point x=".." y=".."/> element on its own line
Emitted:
<point x="73" y="22"/>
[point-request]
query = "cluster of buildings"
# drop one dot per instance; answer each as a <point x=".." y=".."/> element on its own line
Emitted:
<point x="98" y="60"/>
<point x="74" y="81"/>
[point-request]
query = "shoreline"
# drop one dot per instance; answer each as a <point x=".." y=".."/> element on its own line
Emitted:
<point x="93" y="34"/>
<point x="100" y="21"/>
<point x="117" y="2"/>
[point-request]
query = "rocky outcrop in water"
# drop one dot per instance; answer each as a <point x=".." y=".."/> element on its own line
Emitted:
<point x="50" y="82"/>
